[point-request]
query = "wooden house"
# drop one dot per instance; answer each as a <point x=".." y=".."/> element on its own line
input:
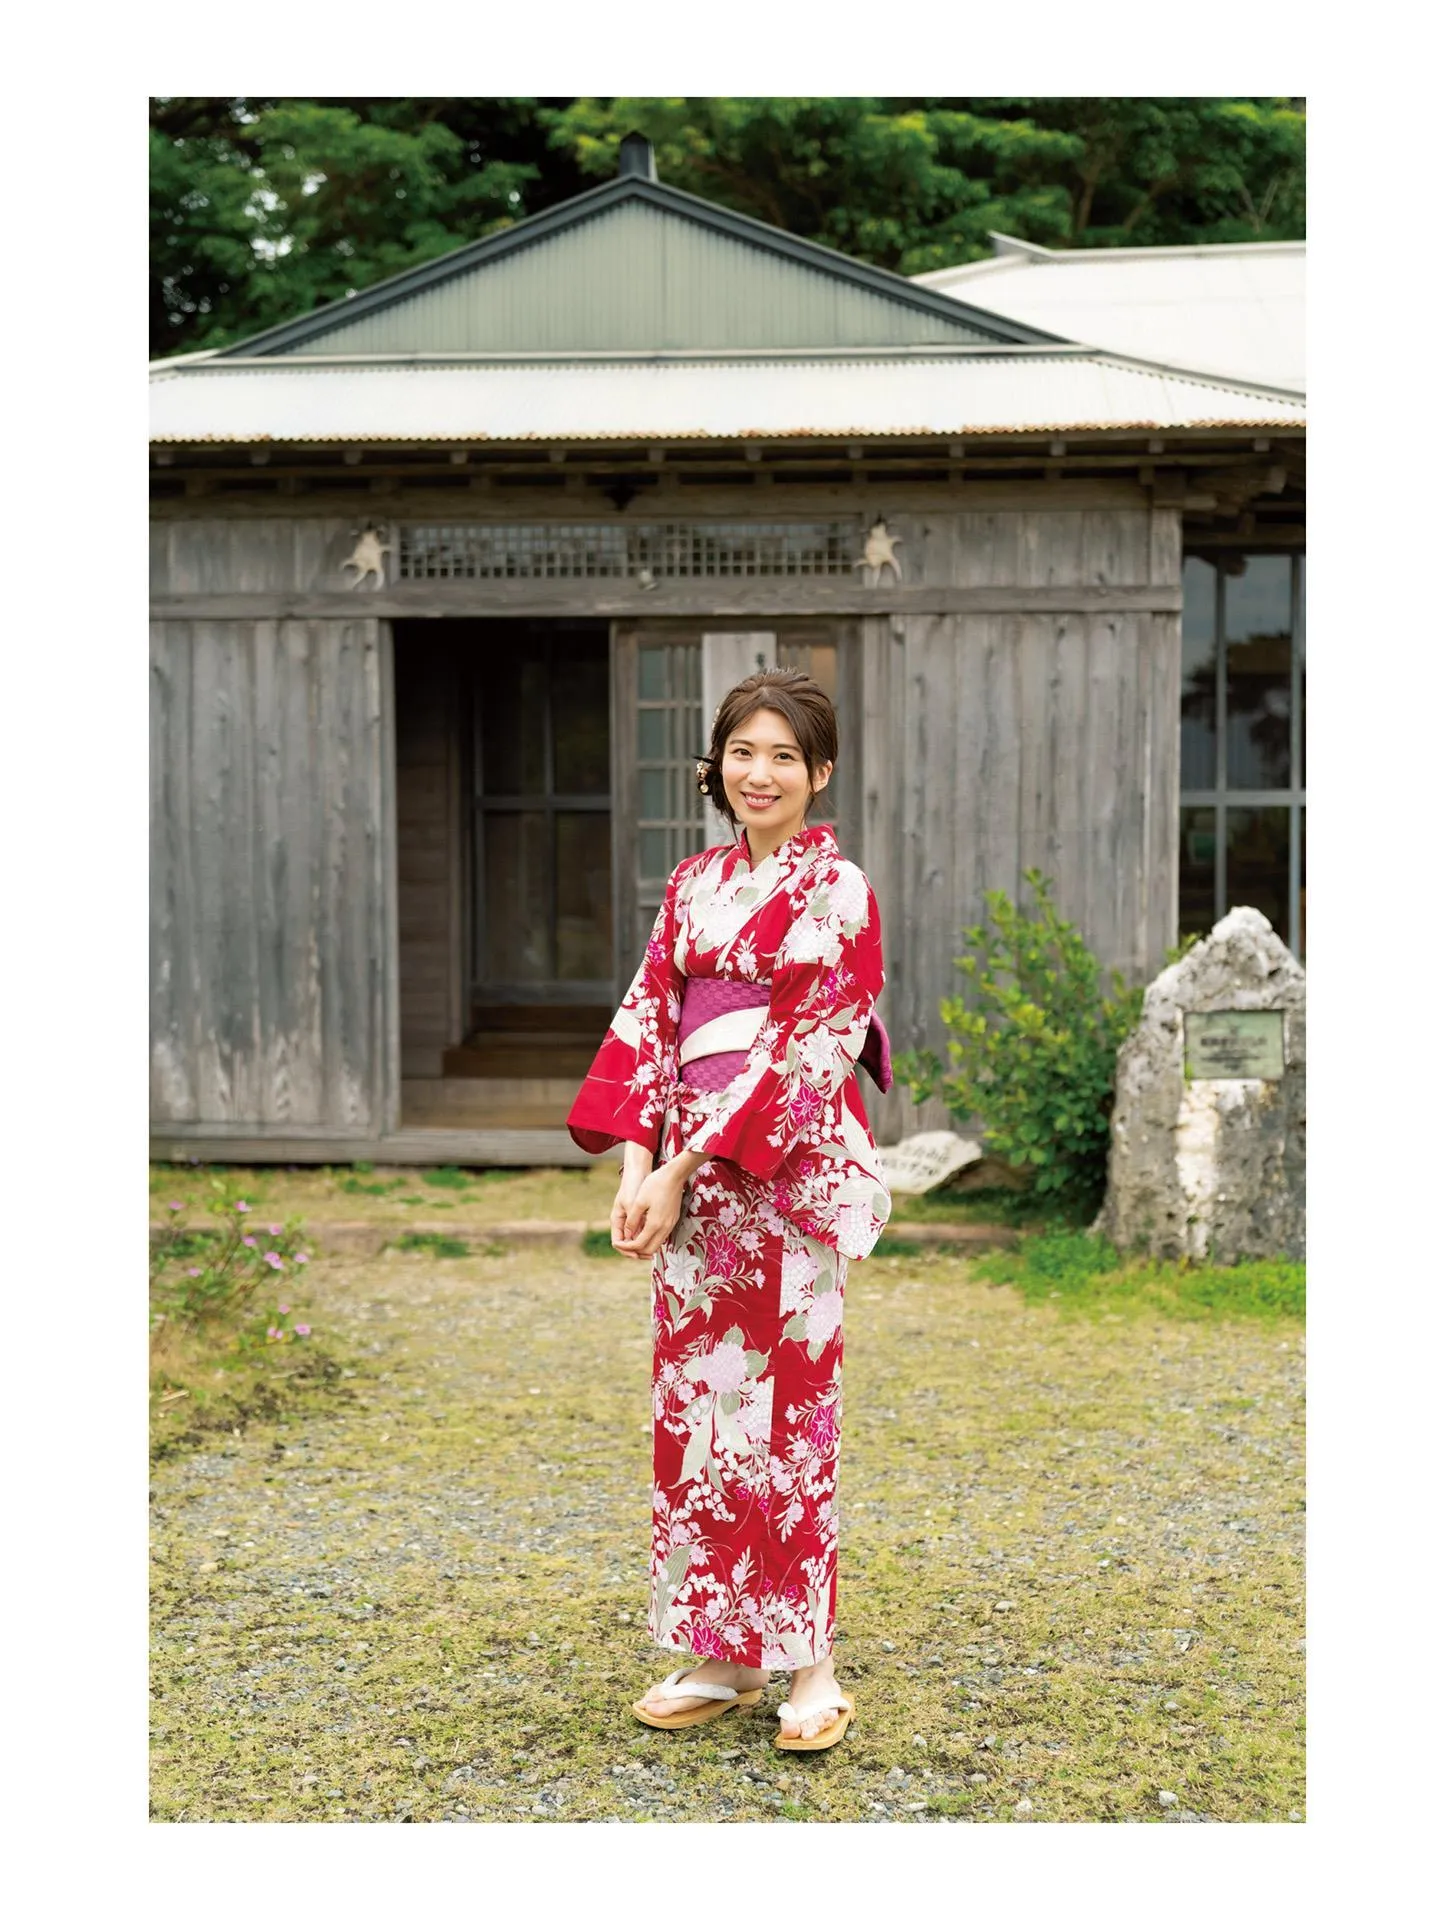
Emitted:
<point x="448" y="577"/>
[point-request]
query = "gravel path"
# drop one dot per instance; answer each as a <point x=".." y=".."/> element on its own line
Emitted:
<point x="1071" y="1579"/>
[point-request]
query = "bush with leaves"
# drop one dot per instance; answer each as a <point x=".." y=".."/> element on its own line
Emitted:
<point x="1032" y="1055"/>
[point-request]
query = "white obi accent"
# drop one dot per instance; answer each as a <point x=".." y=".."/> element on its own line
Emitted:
<point x="731" y="1032"/>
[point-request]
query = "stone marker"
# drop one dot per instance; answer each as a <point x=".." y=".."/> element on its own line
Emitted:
<point x="1207" y="1134"/>
<point x="924" y="1161"/>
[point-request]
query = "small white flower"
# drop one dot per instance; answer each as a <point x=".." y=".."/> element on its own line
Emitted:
<point x="725" y="1368"/>
<point x="825" y="1314"/>
<point x="819" y="1050"/>
<point x="856" y="1234"/>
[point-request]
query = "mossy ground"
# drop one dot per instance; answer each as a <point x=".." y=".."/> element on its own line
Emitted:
<point x="414" y="1589"/>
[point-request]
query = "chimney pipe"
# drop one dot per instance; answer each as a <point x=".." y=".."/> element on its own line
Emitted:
<point x="634" y="157"/>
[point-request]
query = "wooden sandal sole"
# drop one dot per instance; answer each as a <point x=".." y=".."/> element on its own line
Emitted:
<point x="828" y="1736"/>
<point x="696" y="1716"/>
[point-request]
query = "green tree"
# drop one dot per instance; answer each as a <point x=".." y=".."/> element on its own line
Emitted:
<point x="263" y="209"/>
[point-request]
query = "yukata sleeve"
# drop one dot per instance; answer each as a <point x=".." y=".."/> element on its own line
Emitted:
<point x="828" y="973"/>
<point x="624" y="1095"/>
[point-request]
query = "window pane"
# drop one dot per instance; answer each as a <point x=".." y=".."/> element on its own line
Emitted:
<point x="580" y="714"/>
<point x="651" y="733"/>
<point x="512" y="705"/>
<point x="652" y="853"/>
<point x="583" y="896"/>
<point x="1258" y="620"/>
<point x="1258" y="862"/>
<point x="653" y="794"/>
<point x="1199" y="674"/>
<point x="1303" y="885"/>
<point x="1196" y="870"/>
<point x="1302" y="574"/>
<point x="652" y="673"/>
<point x="517" y="931"/>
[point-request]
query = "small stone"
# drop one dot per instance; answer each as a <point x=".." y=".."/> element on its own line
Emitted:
<point x="1023" y="1806"/>
<point x="896" y="1773"/>
<point x="1166" y="1798"/>
<point x="888" y="1646"/>
<point x="915" y="1806"/>
<point x="980" y="1779"/>
<point x="623" y="1616"/>
<point x="918" y="1740"/>
<point x="339" y="1665"/>
<point x="990" y="1740"/>
<point x="1004" y="1606"/>
<point x="208" y="1566"/>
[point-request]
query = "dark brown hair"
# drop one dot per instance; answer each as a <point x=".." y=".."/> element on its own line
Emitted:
<point x="803" y="704"/>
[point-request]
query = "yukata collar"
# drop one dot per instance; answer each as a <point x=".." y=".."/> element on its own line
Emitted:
<point x="793" y="848"/>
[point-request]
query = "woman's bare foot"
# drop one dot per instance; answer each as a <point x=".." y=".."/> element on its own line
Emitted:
<point x="713" y="1673"/>
<point x="809" y="1692"/>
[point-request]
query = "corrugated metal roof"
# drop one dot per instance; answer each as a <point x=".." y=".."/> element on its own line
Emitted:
<point x="988" y="392"/>
<point x="1237" y="311"/>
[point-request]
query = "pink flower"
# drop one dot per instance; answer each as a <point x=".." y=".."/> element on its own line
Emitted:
<point x="725" y="1368"/>
<point x="275" y="1229"/>
<point x="175" y="1205"/>
<point x="274" y="1334"/>
<point x="825" y="1314"/>
<point x="301" y="1258"/>
<point x="194" y="1271"/>
<point x="248" y="1240"/>
<point x="243" y="1207"/>
<point x="302" y="1328"/>
<point x="804" y="1105"/>
<point x="790" y="1594"/>
<point x="273" y="1259"/>
<point x="821" y="1428"/>
<point x="706" y="1641"/>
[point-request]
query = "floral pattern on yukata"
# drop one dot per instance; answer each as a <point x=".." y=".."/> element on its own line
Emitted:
<point x="748" y="1292"/>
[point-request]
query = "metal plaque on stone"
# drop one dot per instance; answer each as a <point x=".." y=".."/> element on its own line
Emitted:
<point x="1233" y="1044"/>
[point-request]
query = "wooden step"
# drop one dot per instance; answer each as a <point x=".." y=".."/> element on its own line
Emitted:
<point x="467" y="1102"/>
<point x="514" y="1056"/>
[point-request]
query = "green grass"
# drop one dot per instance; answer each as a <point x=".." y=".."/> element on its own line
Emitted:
<point x="1084" y="1271"/>
<point x="442" y="1245"/>
<point x="414" y="1589"/>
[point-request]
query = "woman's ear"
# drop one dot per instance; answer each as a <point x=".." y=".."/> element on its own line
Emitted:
<point x="821" y="775"/>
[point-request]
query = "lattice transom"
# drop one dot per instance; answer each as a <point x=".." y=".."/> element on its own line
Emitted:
<point x="668" y="550"/>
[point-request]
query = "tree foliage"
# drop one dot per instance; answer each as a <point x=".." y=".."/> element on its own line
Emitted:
<point x="264" y="209"/>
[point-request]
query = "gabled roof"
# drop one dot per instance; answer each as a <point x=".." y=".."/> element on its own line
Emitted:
<point x="1233" y="310"/>
<point x="635" y="265"/>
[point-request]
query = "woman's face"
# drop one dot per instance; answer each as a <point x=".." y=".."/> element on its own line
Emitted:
<point x="766" y="777"/>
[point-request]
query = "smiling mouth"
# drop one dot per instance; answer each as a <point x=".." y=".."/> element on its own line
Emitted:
<point x="760" y="799"/>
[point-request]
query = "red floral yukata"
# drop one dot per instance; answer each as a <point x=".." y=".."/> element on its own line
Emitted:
<point x="748" y="1291"/>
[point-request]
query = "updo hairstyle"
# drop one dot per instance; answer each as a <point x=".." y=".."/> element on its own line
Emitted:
<point x="803" y="704"/>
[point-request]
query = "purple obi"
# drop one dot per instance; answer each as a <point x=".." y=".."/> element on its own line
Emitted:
<point x="721" y="1019"/>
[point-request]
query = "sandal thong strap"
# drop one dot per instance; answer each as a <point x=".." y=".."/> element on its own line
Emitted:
<point x="837" y="1705"/>
<point x="674" y="1687"/>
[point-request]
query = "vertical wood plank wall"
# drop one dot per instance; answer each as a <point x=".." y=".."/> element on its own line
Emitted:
<point x="431" y="855"/>
<point x="994" y="743"/>
<point x="270" y="908"/>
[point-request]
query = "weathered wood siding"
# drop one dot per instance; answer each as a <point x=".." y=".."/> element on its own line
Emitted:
<point x="994" y="743"/>
<point x="431" y="850"/>
<point x="272" y="922"/>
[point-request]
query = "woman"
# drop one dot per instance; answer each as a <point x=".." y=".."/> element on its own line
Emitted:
<point x="730" y="1062"/>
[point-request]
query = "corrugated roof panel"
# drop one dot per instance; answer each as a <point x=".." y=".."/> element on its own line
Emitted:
<point x="634" y="278"/>
<point x="1237" y="311"/>
<point x="1012" y="391"/>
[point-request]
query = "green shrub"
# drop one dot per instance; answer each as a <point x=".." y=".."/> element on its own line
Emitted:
<point x="1032" y="1055"/>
